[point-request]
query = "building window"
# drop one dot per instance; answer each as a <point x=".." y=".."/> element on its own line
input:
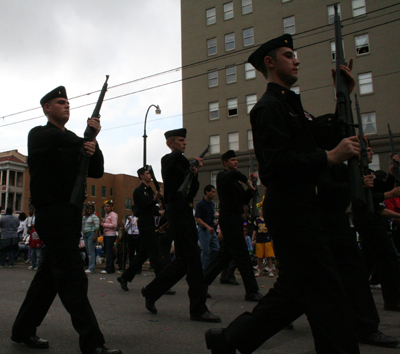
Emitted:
<point x="93" y="193"/>
<point x="331" y="13"/>
<point x="365" y="83"/>
<point x="233" y="141"/>
<point x="296" y="89"/>
<point x="249" y="71"/>
<point x="358" y="7"/>
<point x="128" y="203"/>
<point x="213" y="108"/>
<point x="228" y="10"/>
<point x="230" y="74"/>
<point x="251" y="100"/>
<point x="375" y="164"/>
<point x="362" y="44"/>
<point x="213" y="78"/>
<point x="103" y="191"/>
<point x="250" y="143"/>
<point x="232" y="107"/>
<point x="369" y="123"/>
<point x="288" y="25"/>
<point x="247" y="6"/>
<point x="229" y="41"/>
<point x="213" y="179"/>
<point x="248" y="37"/>
<point x="103" y="212"/>
<point x="212" y="46"/>
<point x="111" y="192"/>
<point x="283" y="1"/>
<point x="214" y="144"/>
<point x="333" y="50"/>
<point x="211" y="17"/>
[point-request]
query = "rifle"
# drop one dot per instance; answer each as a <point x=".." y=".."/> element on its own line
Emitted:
<point x="345" y="117"/>
<point x="79" y="191"/>
<point x="156" y="184"/>
<point x="255" y="193"/>
<point x="364" y="156"/>
<point x="395" y="163"/>
<point x="190" y="173"/>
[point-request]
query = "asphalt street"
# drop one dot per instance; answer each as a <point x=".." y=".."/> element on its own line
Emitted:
<point x="127" y="325"/>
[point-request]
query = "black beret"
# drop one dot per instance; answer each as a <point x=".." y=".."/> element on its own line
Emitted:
<point x="228" y="155"/>
<point x="57" y="92"/>
<point x="141" y="171"/>
<point x="257" y="57"/>
<point x="176" y="132"/>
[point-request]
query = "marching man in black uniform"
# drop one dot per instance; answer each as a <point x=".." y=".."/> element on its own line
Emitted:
<point x="286" y="141"/>
<point x="145" y="200"/>
<point x="181" y="221"/>
<point x="232" y="197"/>
<point x="53" y="153"/>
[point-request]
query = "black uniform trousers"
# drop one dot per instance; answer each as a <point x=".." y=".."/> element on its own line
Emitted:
<point x="308" y="282"/>
<point x="233" y="247"/>
<point x="61" y="272"/>
<point x="379" y="248"/>
<point x="187" y="262"/>
<point x="354" y="275"/>
<point x="134" y="245"/>
<point x="149" y="249"/>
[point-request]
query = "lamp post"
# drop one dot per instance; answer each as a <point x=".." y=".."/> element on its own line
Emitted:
<point x="158" y="111"/>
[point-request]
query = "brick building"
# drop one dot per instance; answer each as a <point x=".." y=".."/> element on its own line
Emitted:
<point x="219" y="87"/>
<point x="14" y="176"/>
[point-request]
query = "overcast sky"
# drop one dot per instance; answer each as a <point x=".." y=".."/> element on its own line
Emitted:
<point x="75" y="43"/>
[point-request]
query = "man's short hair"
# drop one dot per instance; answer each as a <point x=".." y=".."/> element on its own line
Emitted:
<point x="141" y="171"/>
<point x="208" y="188"/>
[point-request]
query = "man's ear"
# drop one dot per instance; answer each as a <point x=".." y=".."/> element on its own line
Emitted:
<point x="269" y="61"/>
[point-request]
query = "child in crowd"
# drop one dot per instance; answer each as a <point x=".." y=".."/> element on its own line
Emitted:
<point x="262" y="240"/>
<point x="35" y="246"/>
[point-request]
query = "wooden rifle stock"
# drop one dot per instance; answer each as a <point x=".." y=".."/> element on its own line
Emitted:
<point x="79" y="191"/>
<point x="364" y="157"/>
<point x="345" y="117"/>
<point x="190" y="173"/>
<point x="255" y="193"/>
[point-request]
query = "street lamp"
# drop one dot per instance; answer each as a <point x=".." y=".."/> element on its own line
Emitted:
<point x="158" y="111"/>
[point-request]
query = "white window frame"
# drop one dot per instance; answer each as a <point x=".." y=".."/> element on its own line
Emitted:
<point x="215" y="144"/>
<point x="212" y="108"/>
<point x="233" y="141"/>
<point x="232" y="105"/>
<point x="362" y="41"/>
<point x="288" y="26"/>
<point x="365" y="84"/>
<point x="211" y="46"/>
<point x="333" y="50"/>
<point x="247" y="7"/>
<point x="250" y="141"/>
<point x="375" y="164"/>
<point x="248" y="36"/>
<point x="213" y="178"/>
<point x="251" y="100"/>
<point x="230" y="74"/>
<point x="211" y="16"/>
<point x="331" y="13"/>
<point x="229" y="39"/>
<point x="213" y="76"/>
<point x="296" y="89"/>
<point x="359" y="7"/>
<point x="369" y="120"/>
<point x="228" y="11"/>
<point x="249" y="71"/>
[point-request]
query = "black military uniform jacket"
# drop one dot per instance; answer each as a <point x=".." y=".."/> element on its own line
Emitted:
<point x="285" y="142"/>
<point x="53" y="156"/>
<point x="143" y="197"/>
<point x="173" y="169"/>
<point x="231" y="193"/>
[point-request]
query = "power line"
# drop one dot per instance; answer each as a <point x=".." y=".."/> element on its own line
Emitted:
<point x="208" y="60"/>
